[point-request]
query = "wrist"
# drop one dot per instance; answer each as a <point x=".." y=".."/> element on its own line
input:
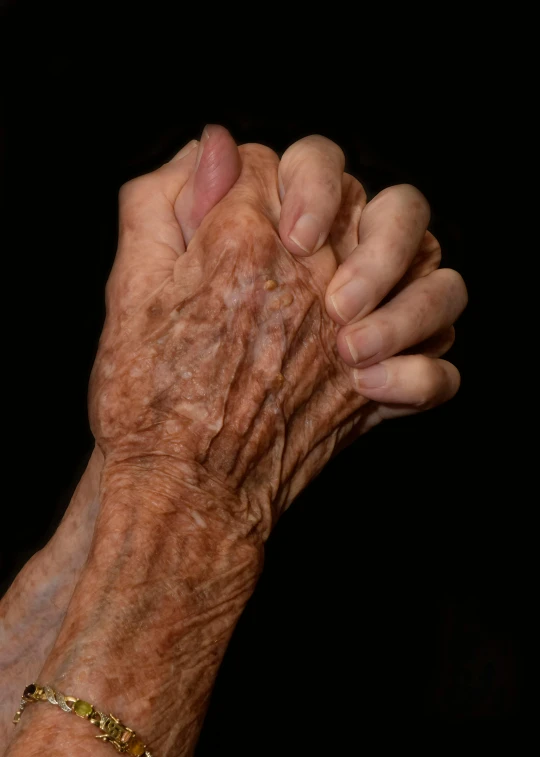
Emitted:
<point x="151" y="617"/>
<point x="164" y="488"/>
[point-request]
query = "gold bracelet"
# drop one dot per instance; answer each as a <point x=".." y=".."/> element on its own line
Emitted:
<point x="116" y="733"/>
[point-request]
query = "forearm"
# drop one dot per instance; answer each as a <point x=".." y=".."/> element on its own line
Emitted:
<point x="65" y="553"/>
<point x="147" y="626"/>
<point x="32" y="610"/>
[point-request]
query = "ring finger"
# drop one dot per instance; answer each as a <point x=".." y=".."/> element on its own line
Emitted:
<point x="424" y="308"/>
<point x="392" y="227"/>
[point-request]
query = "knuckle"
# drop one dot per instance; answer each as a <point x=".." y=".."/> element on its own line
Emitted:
<point x="135" y="189"/>
<point x="452" y="379"/>
<point x="405" y="199"/>
<point x="451" y="278"/>
<point x="416" y="200"/>
<point x="412" y="193"/>
<point x="429" y="299"/>
<point x="329" y="191"/>
<point x="428" y="377"/>
<point x="438" y="382"/>
<point x="133" y="198"/>
<point x="294" y="154"/>
<point x="454" y="286"/>
<point x="313" y="154"/>
<point x="446" y="341"/>
<point x="429" y="303"/>
<point x="126" y="191"/>
<point x="329" y="150"/>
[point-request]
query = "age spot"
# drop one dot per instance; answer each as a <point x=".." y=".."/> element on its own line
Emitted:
<point x="277" y="382"/>
<point x="282" y="302"/>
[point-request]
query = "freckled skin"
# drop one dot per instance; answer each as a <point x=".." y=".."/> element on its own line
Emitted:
<point x="216" y="395"/>
<point x="213" y="409"/>
<point x="194" y="370"/>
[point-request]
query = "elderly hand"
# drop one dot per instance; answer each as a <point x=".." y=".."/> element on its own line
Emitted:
<point x="227" y="439"/>
<point x="388" y="292"/>
<point x="230" y="368"/>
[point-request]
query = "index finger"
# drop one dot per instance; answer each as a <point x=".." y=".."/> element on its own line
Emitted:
<point x="310" y="178"/>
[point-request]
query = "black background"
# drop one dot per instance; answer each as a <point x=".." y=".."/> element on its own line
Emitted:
<point x="395" y="602"/>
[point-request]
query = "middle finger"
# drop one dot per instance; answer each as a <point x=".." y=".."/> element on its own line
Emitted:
<point x="425" y="307"/>
<point x="392" y="227"/>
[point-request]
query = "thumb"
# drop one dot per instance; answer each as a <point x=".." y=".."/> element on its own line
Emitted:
<point x="217" y="168"/>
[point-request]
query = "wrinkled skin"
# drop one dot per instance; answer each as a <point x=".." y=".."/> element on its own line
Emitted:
<point x="225" y="373"/>
<point x="217" y="394"/>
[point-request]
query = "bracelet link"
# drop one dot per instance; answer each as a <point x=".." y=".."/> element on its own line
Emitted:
<point x="122" y="738"/>
<point x="82" y="709"/>
<point x="32" y="693"/>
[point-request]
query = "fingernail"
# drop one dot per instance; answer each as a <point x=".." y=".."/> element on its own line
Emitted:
<point x="371" y="378"/>
<point x="364" y="343"/>
<point x="205" y="136"/>
<point x="307" y="233"/>
<point x="349" y="300"/>
<point x="186" y="150"/>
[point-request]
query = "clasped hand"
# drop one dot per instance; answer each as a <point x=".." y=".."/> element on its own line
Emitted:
<point x="261" y="314"/>
<point x="244" y="342"/>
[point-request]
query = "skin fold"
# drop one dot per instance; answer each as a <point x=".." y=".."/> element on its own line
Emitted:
<point x="219" y="391"/>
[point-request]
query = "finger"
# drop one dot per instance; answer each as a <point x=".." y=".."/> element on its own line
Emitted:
<point x="310" y="176"/>
<point x="145" y="204"/>
<point x="437" y="345"/>
<point x="217" y="167"/>
<point x="422" y="309"/>
<point x="414" y="381"/>
<point x="392" y="227"/>
<point x="426" y="260"/>
<point x="150" y="235"/>
<point x="344" y="231"/>
<point x="184" y="152"/>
